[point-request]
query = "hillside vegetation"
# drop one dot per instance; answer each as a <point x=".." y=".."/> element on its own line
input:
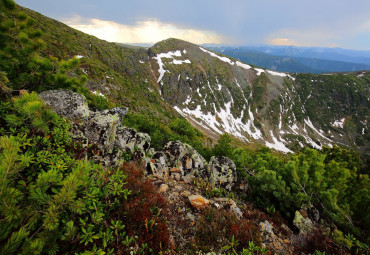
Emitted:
<point x="57" y="197"/>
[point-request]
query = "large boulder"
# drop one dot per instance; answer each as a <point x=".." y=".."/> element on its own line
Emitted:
<point x="222" y="172"/>
<point x="66" y="103"/>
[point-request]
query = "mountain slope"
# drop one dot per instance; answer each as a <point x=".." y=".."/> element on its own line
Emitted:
<point x="279" y="110"/>
<point x="218" y="94"/>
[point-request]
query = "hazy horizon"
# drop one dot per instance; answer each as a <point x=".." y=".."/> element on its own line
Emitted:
<point x="314" y="23"/>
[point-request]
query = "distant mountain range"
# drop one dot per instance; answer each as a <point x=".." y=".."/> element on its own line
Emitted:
<point x="300" y="59"/>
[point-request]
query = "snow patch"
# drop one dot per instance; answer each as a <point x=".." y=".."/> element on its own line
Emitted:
<point x="277" y="145"/>
<point x="320" y="133"/>
<point x="277" y="73"/>
<point x="98" y="93"/>
<point x="338" y="123"/>
<point x="188" y="100"/>
<point x="259" y="71"/>
<point x="242" y="65"/>
<point x="171" y="55"/>
<point x="224" y="59"/>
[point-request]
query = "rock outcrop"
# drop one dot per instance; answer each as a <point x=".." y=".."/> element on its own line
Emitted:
<point x="102" y="129"/>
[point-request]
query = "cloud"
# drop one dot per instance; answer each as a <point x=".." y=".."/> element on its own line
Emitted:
<point x="147" y="31"/>
<point x="281" y="41"/>
<point x="323" y="35"/>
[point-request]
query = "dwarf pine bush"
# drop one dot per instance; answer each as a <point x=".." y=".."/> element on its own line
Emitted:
<point x="51" y="202"/>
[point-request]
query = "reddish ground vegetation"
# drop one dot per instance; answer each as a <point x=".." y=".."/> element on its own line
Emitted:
<point x="145" y="211"/>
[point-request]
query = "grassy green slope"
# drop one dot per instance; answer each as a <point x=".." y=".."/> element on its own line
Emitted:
<point x="120" y="73"/>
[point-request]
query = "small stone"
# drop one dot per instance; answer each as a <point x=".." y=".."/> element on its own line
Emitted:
<point x="190" y="216"/>
<point x="175" y="170"/>
<point x="235" y="209"/>
<point x="163" y="188"/>
<point x="266" y="227"/>
<point x="176" y="176"/>
<point x="186" y="193"/>
<point x="198" y="202"/>
<point x="187" y="179"/>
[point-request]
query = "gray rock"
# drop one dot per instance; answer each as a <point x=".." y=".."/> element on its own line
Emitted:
<point x="184" y="157"/>
<point x="190" y="216"/>
<point x="177" y="159"/>
<point x="129" y="140"/>
<point x="222" y="171"/>
<point x="66" y="103"/>
<point x="158" y="165"/>
<point x="267" y="227"/>
<point x="101" y="128"/>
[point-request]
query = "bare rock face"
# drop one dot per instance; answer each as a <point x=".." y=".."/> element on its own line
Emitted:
<point x="66" y="103"/>
<point x="100" y="128"/>
<point x="222" y="171"/>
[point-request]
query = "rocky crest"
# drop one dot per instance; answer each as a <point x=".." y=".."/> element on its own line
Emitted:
<point x="104" y="130"/>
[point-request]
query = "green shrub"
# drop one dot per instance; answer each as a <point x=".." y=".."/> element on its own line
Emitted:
<point x="51" y="202"/>
<point x="326" y="179"/>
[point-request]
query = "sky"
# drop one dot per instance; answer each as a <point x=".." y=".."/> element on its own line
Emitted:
<point x="323" y="23"/>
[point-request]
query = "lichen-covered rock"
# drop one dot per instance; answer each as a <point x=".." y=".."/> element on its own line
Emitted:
<point x="222" y="171"/>
<point x="101" y="128"/>
<point x="177" y="159"/>
<point x="66" y="103"/>
<point x="266" y="227"/>
<point x="130" y="139"/>
<point x="184" y="157"/>
<point x="305" y="225"/>
<point x="158" y="165"/>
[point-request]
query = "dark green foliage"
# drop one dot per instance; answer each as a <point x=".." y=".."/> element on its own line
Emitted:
<point x="223" y="146"/>
<point x="326" y="179"/>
